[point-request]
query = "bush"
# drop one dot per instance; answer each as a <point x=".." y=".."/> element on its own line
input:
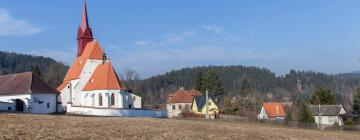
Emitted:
<point x="349" y="123"/>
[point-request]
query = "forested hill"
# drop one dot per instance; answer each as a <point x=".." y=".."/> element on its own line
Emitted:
<point x="51" y="71"/>
<point x="262" y="83"/>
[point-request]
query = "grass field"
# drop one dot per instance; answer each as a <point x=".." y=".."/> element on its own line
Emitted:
<point x="28" y="126"/>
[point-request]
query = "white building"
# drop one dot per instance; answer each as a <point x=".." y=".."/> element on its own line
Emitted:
<point x="27" y="92"/>
<point x="330" y="114"/>
<point x="180" y="101"/>
<point x="272" y="111"/>
<point x="92" y="83"/>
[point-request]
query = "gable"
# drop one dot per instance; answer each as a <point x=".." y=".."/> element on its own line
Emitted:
<point x="274" y="109"/>
<point x="92" y="51"/>
<point x="104" y="78"/>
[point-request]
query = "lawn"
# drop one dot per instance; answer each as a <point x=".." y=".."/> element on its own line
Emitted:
<point x="28" y="126"/>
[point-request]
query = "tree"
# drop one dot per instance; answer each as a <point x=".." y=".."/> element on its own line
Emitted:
<point x="305" y="114"/>
<point x="200" y="83"/>
<point x="288" y="117"/>
<point x="132" y="79"/>
<point x="36" y="70"/>
<point x="55" y="74"/>
<point x="356" y="101"/>
<point x="245" y="86"/>
<point x="323" y="96"/>
<point x="213" y="84"/>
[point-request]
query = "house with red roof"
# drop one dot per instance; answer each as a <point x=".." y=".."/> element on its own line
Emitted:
<point x="92" y="82"/>
<point x="272" y="111"/>
<point x="180" y="101"/>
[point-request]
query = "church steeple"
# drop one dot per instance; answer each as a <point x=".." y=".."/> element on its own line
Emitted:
<point x="84" y="32"/>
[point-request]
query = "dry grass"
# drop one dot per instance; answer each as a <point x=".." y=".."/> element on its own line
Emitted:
<point x="27" y="126"/>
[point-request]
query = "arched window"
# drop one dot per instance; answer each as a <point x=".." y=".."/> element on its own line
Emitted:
<point x="112" y="99"/>
<point x="100" y="100"/>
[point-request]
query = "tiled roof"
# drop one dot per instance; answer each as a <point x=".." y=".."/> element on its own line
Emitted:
<point x="104" y="78"/>
<point x="274" y="109"/>
<point x="63" y="85"/>
<point x="326" y="110"/>
<point x="182" y="96"/>
<point x="92" y="51"/>
<point x="24" y="83"/>
<point x="200" y="101"/>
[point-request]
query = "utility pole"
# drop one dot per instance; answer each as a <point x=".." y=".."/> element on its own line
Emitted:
<point x="207" y="104"/>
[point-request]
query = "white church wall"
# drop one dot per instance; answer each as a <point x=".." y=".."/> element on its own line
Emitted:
<point x="136" y="101"/>
<point x="87" y="71"/>
<point x="117" y="112"/>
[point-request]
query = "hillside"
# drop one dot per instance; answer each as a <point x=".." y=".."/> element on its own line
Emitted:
<point x="294" y="85"/>
<point x="52" y="71"/>
<point x="31" y="126"/>
<point x="262" y="82"/>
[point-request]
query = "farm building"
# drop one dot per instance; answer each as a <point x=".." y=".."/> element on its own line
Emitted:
<point x="27" y="92"/>
<point x="199" y="106"/>
<point x="180" y="101"/>
<point x="272" y="111"/>
<point x="330" y="114"/>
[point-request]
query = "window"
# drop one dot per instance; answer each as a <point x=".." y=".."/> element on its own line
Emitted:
<point x="186" y="107"/>
<point x="100" y="99"/>
<point x="134" y="98"/>
<point x="173" y="106"/>
<point x="179" y="107"/>
<point x="9" y="108"/>
<point x="130" y="105"/>
<point x="112" y="99"/>
<point x="48" y="105"/>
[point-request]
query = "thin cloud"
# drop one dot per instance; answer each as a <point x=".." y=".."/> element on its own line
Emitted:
<point x="9" y="26"/>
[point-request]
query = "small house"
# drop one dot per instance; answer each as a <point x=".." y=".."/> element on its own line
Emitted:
<point x="272" y="111"/>
<point x="199" y="106"/>
<point x="180" y="101"/>
<point x="330" y="114"/>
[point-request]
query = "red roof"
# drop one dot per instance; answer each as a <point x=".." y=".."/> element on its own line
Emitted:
<point x="92" y="51"/>
<point x="182" y="96"/>
<point x="274" y="109"/>
<point x="24" y="83"/>
<point x="104" y="78"/>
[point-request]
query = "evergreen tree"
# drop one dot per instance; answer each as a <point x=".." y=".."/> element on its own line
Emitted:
<point x="323" y="96"/>
<point x="213" y="84"/>
<point x="288" y="117"/>
<point x="245" y="87"/>
<point x="356" y="102"/>
<point x="200" y="83"/>
<point x="305" y="114"/>
<point x="36" y="70"/>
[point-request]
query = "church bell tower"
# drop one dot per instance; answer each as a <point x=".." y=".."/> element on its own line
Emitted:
<point x="84" y="32"/>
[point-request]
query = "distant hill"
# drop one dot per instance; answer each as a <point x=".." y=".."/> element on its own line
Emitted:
<point x="263" y="83"/>
<point x="294" y="86"/>
<point x="52" y="71"/>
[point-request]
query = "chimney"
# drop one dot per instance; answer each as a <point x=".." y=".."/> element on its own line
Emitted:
<point x="104" y="58"/>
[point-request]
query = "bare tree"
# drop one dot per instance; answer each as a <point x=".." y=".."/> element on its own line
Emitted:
<point x="131" y="78"/>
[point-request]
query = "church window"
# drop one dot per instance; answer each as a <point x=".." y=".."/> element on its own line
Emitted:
<point x="48" y="105"/>
<point x="179" y="107"/>
<point x="112" y="99"/>
<point x="134" y="98"/>
<point x="100" y="100"/>
<point x="173" y="107"/>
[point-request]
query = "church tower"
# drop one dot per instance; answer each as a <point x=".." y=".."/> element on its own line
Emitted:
<point x="84" y="32"/>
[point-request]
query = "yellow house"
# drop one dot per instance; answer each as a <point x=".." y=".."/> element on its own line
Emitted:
<point x="199" y="107"/>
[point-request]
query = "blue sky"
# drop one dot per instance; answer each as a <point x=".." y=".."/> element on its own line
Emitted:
<point x="156" y="36"/>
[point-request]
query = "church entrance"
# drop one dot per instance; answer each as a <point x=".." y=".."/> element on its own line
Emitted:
<point x="19" y="105"/>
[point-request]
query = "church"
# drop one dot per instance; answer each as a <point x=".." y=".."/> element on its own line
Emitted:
<point x="91" y="85"/>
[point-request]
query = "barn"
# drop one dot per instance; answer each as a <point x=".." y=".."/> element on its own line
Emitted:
<point x="27" y="92"/>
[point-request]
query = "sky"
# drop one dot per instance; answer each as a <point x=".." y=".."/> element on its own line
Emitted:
<point x="157" y="36"/>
